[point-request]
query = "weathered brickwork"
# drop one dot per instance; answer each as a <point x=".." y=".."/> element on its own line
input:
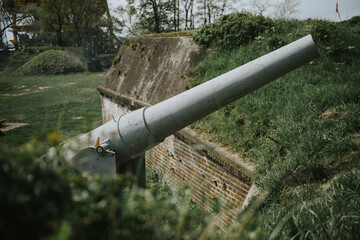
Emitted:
<point x="179" y="163"/>
<point x="180" y="160"/>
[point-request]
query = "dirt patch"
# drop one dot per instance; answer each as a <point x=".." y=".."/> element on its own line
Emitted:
<point x="77" y="118"/>
<point x="13" y="94"/>
<point x="25" y="91"/>
<point x="97" y="75"/>
<point x="355" y="137"/>
<point x="42" y="88"/>
<point x="67" y="84"/>
<point x="332" y="114"/>
<point x="10" y="126"/>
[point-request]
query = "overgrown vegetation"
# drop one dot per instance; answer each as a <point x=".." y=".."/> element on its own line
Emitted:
<point x="61" y="204"/>
<point x="19" y="58"/>
<point x="301" y="131"/>
<point x="52" y="62"/>
<point x="233" y="30"/>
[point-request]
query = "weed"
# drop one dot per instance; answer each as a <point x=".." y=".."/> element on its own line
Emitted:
<point x="117" y="59"/>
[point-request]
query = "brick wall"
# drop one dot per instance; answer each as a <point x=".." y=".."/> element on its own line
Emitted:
<point x="213" y="175"/>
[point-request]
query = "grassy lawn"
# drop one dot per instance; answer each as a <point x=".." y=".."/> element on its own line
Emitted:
<point x="68" y="104"/>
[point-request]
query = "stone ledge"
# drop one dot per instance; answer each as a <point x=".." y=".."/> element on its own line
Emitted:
<point x="130" y="102"/>
<point x="229" y="161"/>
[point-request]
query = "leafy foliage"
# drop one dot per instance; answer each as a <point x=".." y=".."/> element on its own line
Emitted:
<point x="33" y="197"/>
<point x="301" y="131"/>
<point x="52" y="62"/>
<point x="336" y="39"/>
<point x="20" y="57"/>
<point x="45" y="202"/>
<point x="233" y="30"/>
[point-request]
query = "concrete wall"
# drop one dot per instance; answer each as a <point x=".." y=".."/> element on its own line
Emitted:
<point x="152" y="69"/>
<point x="213" y="174"/>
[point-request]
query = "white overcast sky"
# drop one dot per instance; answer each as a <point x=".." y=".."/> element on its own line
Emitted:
<point x="322" y="9"/>
<point x="325" y="9"/>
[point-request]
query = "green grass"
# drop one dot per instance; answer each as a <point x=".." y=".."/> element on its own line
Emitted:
<point x="69" y="104"/>
<point x="300" y="131"/>
<point x="285" y="123"/>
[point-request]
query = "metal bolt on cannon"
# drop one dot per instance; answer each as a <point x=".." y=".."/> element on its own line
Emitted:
<point x="127" y="137"/>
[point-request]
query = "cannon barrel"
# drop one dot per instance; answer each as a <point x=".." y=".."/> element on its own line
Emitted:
<point x="131" y="134"/>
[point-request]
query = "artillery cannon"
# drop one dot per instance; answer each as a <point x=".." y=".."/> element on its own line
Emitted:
<point x="128" y="136"/>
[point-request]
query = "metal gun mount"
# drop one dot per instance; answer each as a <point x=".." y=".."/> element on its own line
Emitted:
<point x="128" y="136"/>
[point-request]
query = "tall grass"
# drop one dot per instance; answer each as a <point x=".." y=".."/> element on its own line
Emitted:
<point x="285" y="123"/>
<point x="301" y="131"/>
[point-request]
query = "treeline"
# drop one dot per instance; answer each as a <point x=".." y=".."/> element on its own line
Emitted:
<point x="156" y="16"/>
<point x="82" y="23"/>
<point x="88" y="23"/>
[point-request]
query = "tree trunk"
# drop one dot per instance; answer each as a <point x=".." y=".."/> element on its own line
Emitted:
<point x="156" y="16"/>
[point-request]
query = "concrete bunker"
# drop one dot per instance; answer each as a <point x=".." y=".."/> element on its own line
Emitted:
<point x="150" y="70"/>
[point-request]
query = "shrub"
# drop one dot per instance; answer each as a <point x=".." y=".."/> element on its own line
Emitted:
<point x="338" y="42"/>
<point x="52" y="62"/>
<point x="33" y="197"/>
<point x="233" y="30"/>
<point x="20" y="57"/>
<point x="62" y="204"/>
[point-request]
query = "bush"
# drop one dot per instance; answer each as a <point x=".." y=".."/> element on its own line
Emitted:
<point x="62" y="204"/>
<point x="338" y="42"/>
<point x="52" y="62"/>
<point x="233" y="30"/>
<point x="33" y="198"/>
<point x="20" y="57"/>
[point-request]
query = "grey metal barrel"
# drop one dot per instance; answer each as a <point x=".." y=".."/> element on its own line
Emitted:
<point x="148" y="126"/>
<point x="131" y="134"/>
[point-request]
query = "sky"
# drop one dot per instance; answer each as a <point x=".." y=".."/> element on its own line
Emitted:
<point x="322" y="9"/>
<point x="325" y="9"/>
<point x="319" y="9"/>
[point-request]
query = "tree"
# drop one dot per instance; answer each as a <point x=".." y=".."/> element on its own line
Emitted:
<point x="260" y="6"/>
<point x="78" y="10"/>
<point x="175" y="7"/>
<point x="212" y="10"/>
<point x="5" y="23"/>
<point x="154" y="15"/>
<point x="53" y="15"/>
<point x="188" y="10"/>
<point x="128" y="17"/>
<point x="286" y="8"/>
<point x="14" y="12"/>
